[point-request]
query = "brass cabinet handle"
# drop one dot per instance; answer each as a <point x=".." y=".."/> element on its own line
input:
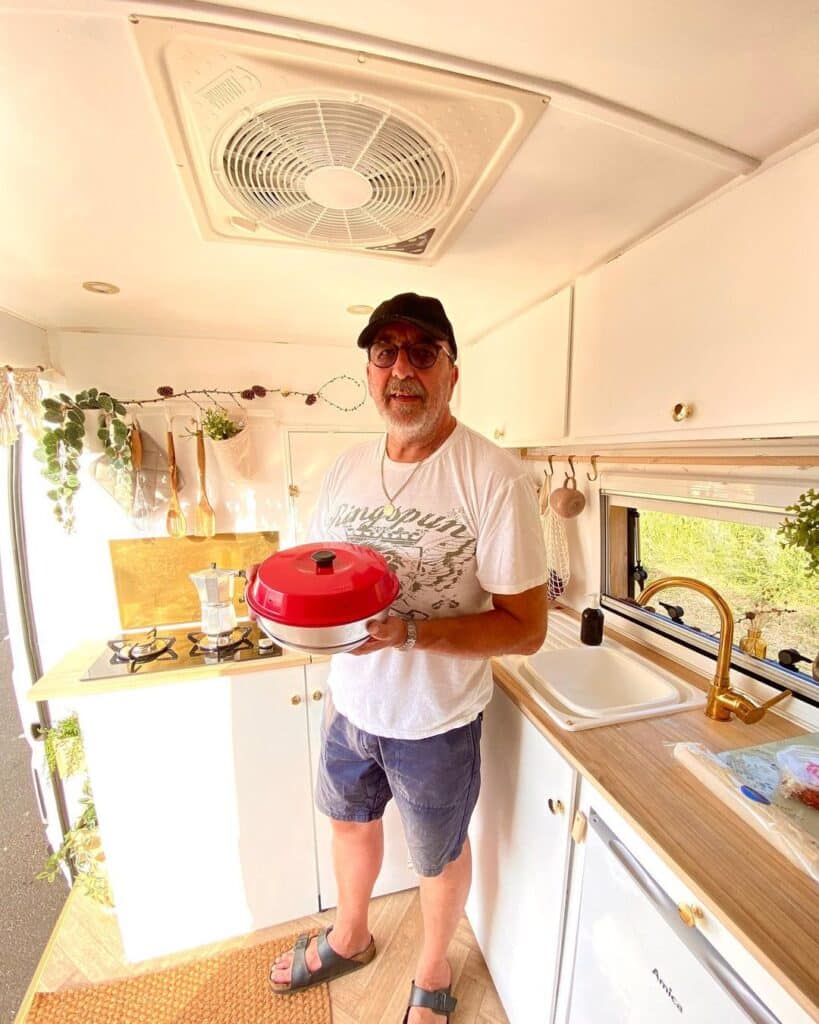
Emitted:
<point x="317" y="694"/>
<point x="579" y="827"/>
<point x="690" y="913"/>
<point x="555" y="806"/>
<point x="499" y="433"/>
<point x="295" y="699"/>
<point x="682" y="411"/>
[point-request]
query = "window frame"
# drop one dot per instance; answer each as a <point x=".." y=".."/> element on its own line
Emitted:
<point x="765" y="671"/>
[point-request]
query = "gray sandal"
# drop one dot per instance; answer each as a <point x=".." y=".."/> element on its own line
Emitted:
<point x="441" y="1001"/>
<point x="333" y="965"/>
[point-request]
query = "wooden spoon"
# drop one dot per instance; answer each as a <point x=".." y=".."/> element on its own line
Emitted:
<point x="175" y="520"/>
<point x="205" y="516"/>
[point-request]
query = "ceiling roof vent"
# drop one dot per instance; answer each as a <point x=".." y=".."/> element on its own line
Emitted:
<point x="282" y="141"/>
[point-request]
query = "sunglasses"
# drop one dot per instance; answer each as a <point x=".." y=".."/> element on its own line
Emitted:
<point x="423" y="355"/>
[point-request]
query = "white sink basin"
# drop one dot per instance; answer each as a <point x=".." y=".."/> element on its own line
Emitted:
<point x="587" y="687"/>
<point x="598" y="681"/>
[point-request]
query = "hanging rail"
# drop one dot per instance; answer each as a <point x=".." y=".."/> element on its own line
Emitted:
<point x="649" y="459"/>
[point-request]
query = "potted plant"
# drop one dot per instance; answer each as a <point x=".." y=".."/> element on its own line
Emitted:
<point x="63" y="747"/>
<point x="82" y="846"/>
<point x="63" y="441"/>
<point x="229" y="437"/>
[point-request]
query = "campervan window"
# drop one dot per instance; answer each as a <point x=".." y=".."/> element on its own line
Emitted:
<point x="725" y="535"/>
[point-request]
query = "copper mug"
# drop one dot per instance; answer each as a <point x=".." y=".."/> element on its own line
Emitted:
<point x="567" y="501"/>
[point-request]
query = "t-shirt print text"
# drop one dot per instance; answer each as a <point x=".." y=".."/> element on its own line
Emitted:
<point x="428" y="551"/>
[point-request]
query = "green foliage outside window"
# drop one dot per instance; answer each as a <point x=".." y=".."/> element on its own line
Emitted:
<point x="747" y="564"/>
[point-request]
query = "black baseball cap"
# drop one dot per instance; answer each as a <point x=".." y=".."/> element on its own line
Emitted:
<point x="421" y="310"/>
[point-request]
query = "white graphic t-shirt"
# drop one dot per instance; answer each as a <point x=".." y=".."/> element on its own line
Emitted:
<point x="467" y="526"/>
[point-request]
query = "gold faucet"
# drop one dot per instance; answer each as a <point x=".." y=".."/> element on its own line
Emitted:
<point x="722" y="700"/>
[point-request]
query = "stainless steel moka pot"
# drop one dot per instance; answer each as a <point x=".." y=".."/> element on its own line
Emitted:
<point x="215" y="588"/>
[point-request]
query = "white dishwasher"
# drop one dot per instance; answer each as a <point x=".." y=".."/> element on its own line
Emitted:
<point x="635" y="960"/>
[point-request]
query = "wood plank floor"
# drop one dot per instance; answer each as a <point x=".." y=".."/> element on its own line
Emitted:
<point x="85" y="948"/>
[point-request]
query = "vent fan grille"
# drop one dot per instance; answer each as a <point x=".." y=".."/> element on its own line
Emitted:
<point x="266" y="165"/>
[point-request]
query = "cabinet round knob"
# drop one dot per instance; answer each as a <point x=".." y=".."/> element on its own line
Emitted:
<point x="295" y="699"/>
<point x="499" y="433"/>
<point x="556" y="806"/>
<point x="689" y="913"/>
<point x="317" y="694"/>
<point x="682" y="411"/>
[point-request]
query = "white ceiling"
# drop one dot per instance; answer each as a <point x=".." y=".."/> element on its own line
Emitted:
<point x="89" y="190"/>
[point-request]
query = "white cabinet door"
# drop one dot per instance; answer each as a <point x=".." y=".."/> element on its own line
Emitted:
<point x="520" y="849"/>
<point x="396" y="871"/>
<point x="718" y="311"/>
<point x="513" y="384"/>
<point x="203" y="795"/>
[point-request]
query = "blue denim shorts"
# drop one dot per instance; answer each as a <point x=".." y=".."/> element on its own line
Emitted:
<point x="435" y="783"/>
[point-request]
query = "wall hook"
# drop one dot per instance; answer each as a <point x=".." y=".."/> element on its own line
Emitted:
<point x="551" y="470"/>
<point x="571" y="467"/>
<point x="594" y="469"/>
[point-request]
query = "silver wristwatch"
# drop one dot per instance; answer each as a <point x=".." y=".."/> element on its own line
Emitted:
<point x="412" y="636"/>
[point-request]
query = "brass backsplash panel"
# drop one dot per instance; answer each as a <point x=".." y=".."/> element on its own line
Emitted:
<point x="151" y="573"/>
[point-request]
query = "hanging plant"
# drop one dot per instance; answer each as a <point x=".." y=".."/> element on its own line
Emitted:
<point x="802" y="529"/>
<point x="64" y="748"/>
<point x="218" y="424"/>
<point x="63" y="441"/>
<point x="83" y="847"/>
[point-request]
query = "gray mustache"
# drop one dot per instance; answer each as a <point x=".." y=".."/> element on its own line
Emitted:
<point x="406" y="390"/>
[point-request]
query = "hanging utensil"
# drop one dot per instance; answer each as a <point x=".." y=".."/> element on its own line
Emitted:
<point x="140" y="510"/>
<point x="205" y="516"/>
<point x="175" y="519"/>
<point x="567" y="501"/>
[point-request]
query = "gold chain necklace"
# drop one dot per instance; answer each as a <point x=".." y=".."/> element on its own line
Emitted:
<point x="389" y="508"/>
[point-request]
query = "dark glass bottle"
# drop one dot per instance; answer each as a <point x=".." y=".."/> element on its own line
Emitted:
<point x="591" y="627"/>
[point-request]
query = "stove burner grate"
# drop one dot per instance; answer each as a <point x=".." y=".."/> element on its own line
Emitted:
<point x="138" y="650"/>
<point x="222" y="644"/>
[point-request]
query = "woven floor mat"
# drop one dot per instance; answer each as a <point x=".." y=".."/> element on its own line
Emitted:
<point x="229" y="988"/>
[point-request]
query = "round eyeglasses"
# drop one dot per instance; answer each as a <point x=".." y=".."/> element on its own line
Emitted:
<point x="423" y="355"/>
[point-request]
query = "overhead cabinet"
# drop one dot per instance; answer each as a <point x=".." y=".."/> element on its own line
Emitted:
<point x="714" y="317"/>
<point x="513" y="384"/>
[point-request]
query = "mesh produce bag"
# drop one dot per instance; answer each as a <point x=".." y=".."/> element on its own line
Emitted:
<point x="557" y="548"/>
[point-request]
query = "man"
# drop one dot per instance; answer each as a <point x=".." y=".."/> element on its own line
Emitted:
<point x="456" y="518"/>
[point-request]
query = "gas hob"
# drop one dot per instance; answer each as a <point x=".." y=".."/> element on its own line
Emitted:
<point x="161" y="651"/>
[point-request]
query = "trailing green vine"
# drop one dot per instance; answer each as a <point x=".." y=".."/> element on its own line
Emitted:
<point x="81" y="846"/>
<point x="63" y="440"/>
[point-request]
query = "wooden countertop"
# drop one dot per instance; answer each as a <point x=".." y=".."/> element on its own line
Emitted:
<point x="755" y="892"/>
<point x="63" y="680"/>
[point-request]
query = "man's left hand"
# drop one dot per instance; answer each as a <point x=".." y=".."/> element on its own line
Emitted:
<point x="390" y="633"/>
